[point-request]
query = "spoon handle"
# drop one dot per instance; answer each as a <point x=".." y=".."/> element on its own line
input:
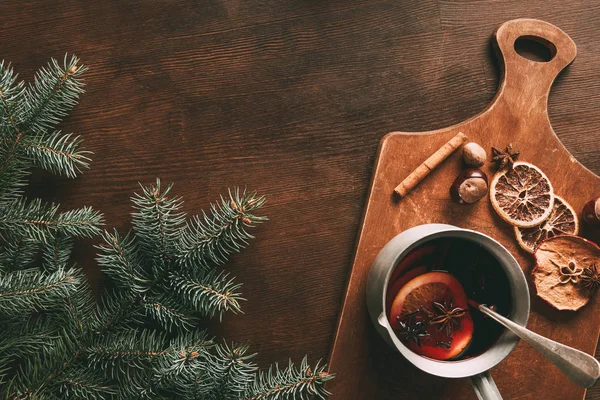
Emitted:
<point x="578" y="366"/>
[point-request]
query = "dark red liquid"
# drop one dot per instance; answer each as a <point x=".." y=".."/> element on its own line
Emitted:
<point x="479" y="273"/>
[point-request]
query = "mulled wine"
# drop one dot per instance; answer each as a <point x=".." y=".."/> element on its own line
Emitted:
<point x="430" y="298"/>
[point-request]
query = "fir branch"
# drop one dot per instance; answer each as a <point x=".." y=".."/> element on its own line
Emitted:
<point x="17" y="253"/>
<point x="157" y="221"/>
<point x="121" y="260"/>
<point x="118" y="308"/>
<point x="83" y="383"/>
<point x="13" y="168"/>
<point x="290" y="383"/>
<point x="11" y="100"/>
<point x="134" y="351"/>
<point x="59" y="154"/>
<point x="81" y="222"/>
<point x="230" y="372"/>
<point x="21" y="337"/>
<point x="208" y="293"/>
<point x="54" y="93"/>
<point x="26" y="291"/>
<point x="167" y="313"/>
<point x="120" y="354"/>
<point x="26" y="219"/>
<point x="56" y="253"/>
<point x="209" y="240"/>
<point x="78" y="311"/>
<point x="40" y="221"/>
<point x="39" y="373"/>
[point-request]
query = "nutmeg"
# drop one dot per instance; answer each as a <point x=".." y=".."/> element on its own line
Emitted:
<point x="474" y="155"/>
<point x="470" y="186"/>
<point x="591" y="212"/>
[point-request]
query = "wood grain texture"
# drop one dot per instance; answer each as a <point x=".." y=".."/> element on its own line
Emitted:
<point x="287" y="97"/>
<point x="517" y="115"/>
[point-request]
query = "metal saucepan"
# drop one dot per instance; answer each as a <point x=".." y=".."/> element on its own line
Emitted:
<point x="476" y="368"/>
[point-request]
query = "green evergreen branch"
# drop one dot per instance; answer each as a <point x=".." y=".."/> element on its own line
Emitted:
<point x="157" y="221"/>
<point x="39" y="372"/>
<point x="209" y="293"/>
<point x="230" y="372"/>
<point x="26" y="219"/>
<point x="118" y="308"/>
<point x="121" y="260"/>
<point x="56" y="253"/>
<point x="84" y="384"/>
<point x="79" y="310"/>
<point x="59" y="154"/>
<point x="209" y="240"/>
<point x="132" y="349"/>
<point x="17" y="253"/>
<point x="168" y="314"/>
<point x="293" y="383"/>
<point x="11" y="97"/>
<point x="40" y="221"/>
<point x="135" y="350"/>
<point x="82" y="222"/>
<point x="26" y="291"/>
<point x="54" y="93"/>
<point x="55" y="341"/>
<point x="13" y="170"/>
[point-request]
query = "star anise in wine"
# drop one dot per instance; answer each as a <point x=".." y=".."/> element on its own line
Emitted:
<point x="590" y="277"/>
<point x="447" y="316"/>
<point x="412" y="329"/>
<point x="504" y="158"/>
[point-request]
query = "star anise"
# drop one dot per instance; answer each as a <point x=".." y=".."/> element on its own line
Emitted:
<point x="504" y="158"/>
<point x="448" y="316"/>
<point x="590" y="277"/>
<point x="412" y="329"/>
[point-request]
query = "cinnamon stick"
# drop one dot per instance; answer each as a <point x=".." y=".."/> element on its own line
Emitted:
<point x="430" y="164"/>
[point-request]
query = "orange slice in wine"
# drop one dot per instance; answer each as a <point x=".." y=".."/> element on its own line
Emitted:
<point x="417" y="316"/>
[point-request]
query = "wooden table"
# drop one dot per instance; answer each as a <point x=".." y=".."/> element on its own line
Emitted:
<point x="289" y="98"/>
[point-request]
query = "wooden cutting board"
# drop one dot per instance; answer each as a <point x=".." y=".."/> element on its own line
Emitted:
<point x="366" y="367"/>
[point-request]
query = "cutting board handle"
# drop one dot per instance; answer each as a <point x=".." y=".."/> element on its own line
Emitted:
<point x="526" y="76"/>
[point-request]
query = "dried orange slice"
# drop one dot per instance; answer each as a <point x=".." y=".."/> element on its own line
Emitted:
<point x="563" y="268"/>
<point x="562" y="221"/>
<point x="522" y="196"/>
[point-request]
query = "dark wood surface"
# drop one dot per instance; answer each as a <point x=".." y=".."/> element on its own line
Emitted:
<point x="518" y="115"/>
<point x="287" y="97"/>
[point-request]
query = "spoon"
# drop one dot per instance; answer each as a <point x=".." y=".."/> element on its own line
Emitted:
<point x="578" y="366"/>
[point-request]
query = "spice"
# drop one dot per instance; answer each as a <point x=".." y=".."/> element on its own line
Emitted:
<point x="504" y="158"/>
<point x="448" y="316"/>
<point x="411" y="329"/>
<point x="590" y="277"/>
<point x="430" y="164"/>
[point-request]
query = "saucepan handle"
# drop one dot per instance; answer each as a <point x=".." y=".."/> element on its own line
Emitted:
<point x="485" y="387"/>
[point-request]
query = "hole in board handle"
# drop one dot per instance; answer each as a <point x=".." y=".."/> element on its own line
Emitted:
<point x="535" y="48"/>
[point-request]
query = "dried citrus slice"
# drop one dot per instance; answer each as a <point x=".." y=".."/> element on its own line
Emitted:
<point x="431" y="315"/>
<point x="522" y="196"/>
<point x="564" y="266"/>
<point x="562" y="221"/>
